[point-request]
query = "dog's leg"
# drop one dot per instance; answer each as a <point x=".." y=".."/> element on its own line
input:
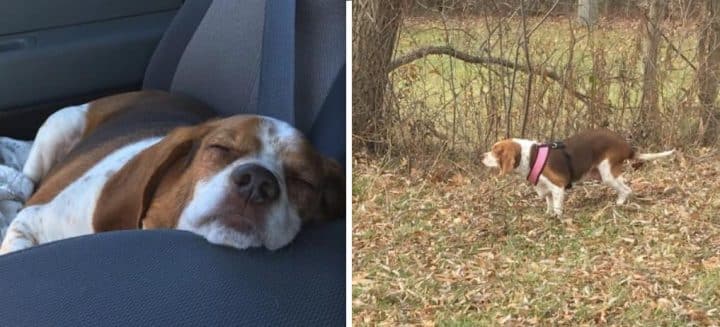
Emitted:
<point x="19" y="234"/>
<point x="55" y="138"/>
<point x="544" y="193"/>
<point x="48" y="222"/>
<point x="558" y="196"/>
<point x="554" y="196"/>
<point x="615" y="182"/>
<point x="549" y="203"/>
<point x="623" y="192"/>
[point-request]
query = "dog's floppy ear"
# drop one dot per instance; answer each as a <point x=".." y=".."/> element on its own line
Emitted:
<point x="508" y="156"/>
<point x="323" y="201"/>
<point x="127" y="194"/>
<point x="333" y="197"/>
<point x="507" y="162"/>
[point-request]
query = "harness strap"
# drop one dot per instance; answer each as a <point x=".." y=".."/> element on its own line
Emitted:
<point x="570" y="169"/>
<point x="541" y="158"/>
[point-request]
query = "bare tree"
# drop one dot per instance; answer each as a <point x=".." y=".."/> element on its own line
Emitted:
<point x="708" y="51"/>
<point x="444" y="78"/>
<point x="648" y="117"/>
<point x="375" y="29"/>
<point x="588" y="12"/>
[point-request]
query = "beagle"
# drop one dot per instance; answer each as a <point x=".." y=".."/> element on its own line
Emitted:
<point x="150" y="159"/>
<point x="556" y="166"/>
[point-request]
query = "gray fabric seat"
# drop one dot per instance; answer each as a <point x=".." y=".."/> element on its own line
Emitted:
<point x="227" y="62"/>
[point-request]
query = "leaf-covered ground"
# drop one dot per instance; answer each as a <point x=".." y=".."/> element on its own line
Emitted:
<point x="453" y="245"/>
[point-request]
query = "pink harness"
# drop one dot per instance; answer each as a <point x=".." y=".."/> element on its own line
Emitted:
<point x="539" y="164"/>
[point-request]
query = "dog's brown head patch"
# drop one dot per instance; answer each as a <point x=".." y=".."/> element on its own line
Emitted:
<point x="507" y="153"/>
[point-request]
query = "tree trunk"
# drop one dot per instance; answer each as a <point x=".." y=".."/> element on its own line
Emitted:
<point x="647" y="130"/>
<point x="588" y="12"/>
<point x="708" y="70"/>
<point x="375" y="29"/>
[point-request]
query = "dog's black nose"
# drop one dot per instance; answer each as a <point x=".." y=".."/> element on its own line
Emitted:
<point x="256" y="183"/>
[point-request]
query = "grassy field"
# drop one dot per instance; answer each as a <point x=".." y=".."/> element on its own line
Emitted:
<point x="605" y="64"/>
<point x="462" y="247"/>
<point x="453" y="245"/>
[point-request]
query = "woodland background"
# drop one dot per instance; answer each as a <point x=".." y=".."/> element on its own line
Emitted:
<point x="457" y="75"/>
<point x="439" y="240"/>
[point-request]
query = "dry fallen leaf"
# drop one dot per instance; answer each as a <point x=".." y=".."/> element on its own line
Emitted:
<point x="711" y="263"/>
<point x="471" y="249"/>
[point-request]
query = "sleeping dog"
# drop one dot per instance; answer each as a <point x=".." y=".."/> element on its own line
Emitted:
<point x="150" y="159"/>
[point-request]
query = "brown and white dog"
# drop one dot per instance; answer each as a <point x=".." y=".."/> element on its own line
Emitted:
<point x="149" y="159"/>
<point x="592" y="153"/>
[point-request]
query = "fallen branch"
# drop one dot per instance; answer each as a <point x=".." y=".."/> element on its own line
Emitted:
<point x="466" y="57"/>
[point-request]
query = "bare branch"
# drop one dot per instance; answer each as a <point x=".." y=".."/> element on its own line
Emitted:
<point x="485" y="60"/>
<point x="669" y="43"/>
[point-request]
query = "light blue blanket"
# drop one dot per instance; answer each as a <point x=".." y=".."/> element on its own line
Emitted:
<point x="15" y="188"/>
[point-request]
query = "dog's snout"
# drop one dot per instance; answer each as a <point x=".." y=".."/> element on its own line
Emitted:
<point x="256" y="183"/>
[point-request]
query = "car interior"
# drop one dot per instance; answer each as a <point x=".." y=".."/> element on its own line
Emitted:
<point x="284" y="59"/>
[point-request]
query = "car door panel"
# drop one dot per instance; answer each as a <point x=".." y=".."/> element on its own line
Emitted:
<point x="55" y="52"/>
<point x="74" y="60"/>
<point x="46" y="14"/>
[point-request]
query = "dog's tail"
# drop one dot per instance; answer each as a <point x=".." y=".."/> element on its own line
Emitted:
<point x="652" y="156"/>
<point x="640" y="158"/>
